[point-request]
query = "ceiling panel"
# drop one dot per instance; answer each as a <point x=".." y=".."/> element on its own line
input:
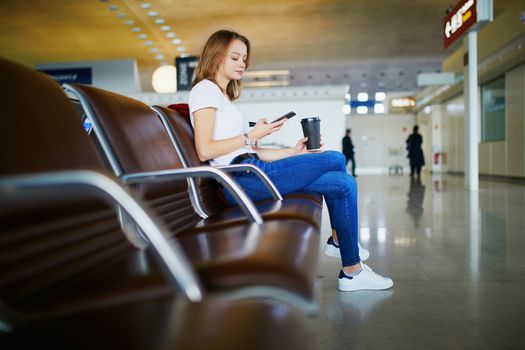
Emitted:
<point x="319" y="38"/>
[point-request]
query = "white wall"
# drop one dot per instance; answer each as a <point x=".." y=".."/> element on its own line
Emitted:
<point x="329" y="111"/>
<point x="120" y="76"/>
<point x="325" y="102"/>
<point x="379" y="141"/>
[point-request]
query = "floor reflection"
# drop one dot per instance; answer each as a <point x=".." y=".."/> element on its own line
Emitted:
<point x="458" y="277"/>
<point x="416" y="195"/>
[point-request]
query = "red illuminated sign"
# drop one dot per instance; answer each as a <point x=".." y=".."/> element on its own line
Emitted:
<point x="459" y="20"/>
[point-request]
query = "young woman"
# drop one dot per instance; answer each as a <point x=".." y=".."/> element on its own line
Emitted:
<point x="222" y="136"/>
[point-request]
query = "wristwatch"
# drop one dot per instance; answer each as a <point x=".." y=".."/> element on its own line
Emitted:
<point x="248" y="141"/>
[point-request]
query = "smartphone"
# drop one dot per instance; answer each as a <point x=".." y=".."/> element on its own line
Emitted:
<point x="287" y="116"/>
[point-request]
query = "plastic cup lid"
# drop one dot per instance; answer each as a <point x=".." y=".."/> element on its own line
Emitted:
<point x="310" y="120"/>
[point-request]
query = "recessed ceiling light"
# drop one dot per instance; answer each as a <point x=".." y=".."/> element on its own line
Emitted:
<point x="148" y="43"/>
<point x="159" y="57"/>
<point x="159" y="21"/>
<point x="362" y="96"/>
<point x="181" y="49"/>
<point x="154" y="49"/>
<point x="153" y="13"/>
<point x="362" y="110"/>
<point x="170" y="35"/>
<point x="121" y="15"/>
<point x="165" y="28"/>
<point x="145" y="5"/>
<point x="129" y="22"/>
<point x="113" y="7"/>
<point x="379" y="108"/>
<point x="135" y="29"/>
<point x="176" y="41"/>
<point x="142" y="36"/>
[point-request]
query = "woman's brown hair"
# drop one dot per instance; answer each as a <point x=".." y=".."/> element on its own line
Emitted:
<point x="212" y="56"/>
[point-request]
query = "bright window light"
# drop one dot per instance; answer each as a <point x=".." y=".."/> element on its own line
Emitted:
<point x="362" y="110"/>
<point x="362" y="96"/>
<point x="381" y="234"/>
<point x="403" y="102"/>
<point x="164" y="79"/>
<point x="379" y="108"/>
<point x="346" y="109"/>
<point x="364" y="234"/>
<point x="380" y="96"/>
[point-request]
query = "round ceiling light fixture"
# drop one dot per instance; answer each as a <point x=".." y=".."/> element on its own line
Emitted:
<point x="164" y="79"/>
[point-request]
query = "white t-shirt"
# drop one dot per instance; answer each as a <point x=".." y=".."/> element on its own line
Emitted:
<point x="229" y="121"/>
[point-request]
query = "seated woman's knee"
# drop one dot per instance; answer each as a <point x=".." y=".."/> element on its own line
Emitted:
<point x="338" y="158"/>
<point x="348" y="182"/>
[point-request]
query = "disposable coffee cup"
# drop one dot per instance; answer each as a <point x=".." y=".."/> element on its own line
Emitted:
<point x="312" y="130"/>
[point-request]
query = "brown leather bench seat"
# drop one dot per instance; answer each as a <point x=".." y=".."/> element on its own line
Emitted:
<point x="285" y="258"/>
<point x="138" y="142"/>
<point x="71" y="279"/>
<point x="168" y="323"/>
<point x="129" y="304"/>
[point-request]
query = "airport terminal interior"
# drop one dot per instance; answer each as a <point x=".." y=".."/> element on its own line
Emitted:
<point x="114" y="234"/>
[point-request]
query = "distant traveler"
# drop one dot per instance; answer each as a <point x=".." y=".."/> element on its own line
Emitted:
<point x="415" y="153"/>
<point x="348" y="150"/>
<point x="223" y="137"/>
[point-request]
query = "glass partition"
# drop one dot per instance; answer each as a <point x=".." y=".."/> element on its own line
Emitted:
<point x="493" y="111"/>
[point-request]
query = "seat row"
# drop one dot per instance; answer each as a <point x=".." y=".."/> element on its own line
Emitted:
<point x="125" y="231"/>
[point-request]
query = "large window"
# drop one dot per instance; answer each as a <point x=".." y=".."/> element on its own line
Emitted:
<point x="493" y="111"/>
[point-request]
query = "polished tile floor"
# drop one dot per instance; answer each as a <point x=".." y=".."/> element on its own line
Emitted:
<point x="457" y="259"/>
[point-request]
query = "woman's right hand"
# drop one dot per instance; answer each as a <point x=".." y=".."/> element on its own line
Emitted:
<point x="262" y="128"/>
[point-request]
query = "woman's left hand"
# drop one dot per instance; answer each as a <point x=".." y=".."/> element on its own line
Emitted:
<point x="300" y="147"/>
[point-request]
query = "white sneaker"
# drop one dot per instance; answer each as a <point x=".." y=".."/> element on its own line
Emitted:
<point x="364" y="280"/>
<point x="332" y="249"/>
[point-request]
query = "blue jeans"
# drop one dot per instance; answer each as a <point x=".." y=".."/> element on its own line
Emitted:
<point x="324" y="173"/>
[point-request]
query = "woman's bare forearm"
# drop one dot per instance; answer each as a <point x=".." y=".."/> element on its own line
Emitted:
<point x="216" y="148"/>
<point x="269" y="154"/>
